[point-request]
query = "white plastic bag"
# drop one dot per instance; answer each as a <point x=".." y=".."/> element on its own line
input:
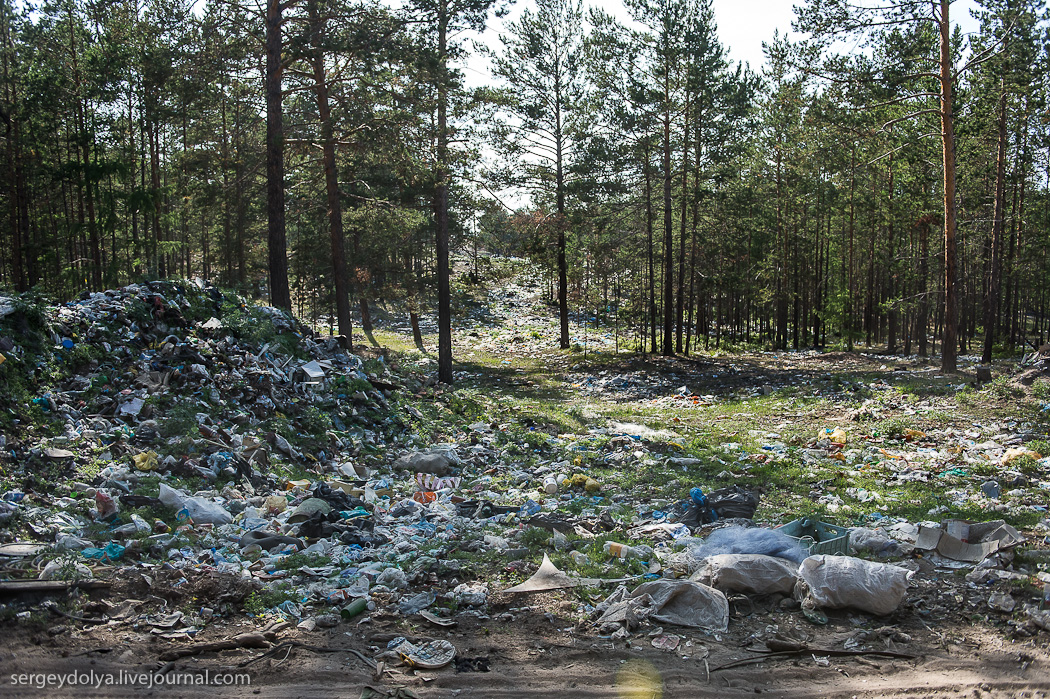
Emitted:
<point x="204" y="511"/>
<point x="838" y="582"/>
<point x="169" y="497"/>
<point x="750" y="573"/>
<point x="201" y="511"/>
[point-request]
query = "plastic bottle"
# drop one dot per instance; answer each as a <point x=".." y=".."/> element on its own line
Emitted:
<point x="619" y="550"/>
<point x="580" y="558"/>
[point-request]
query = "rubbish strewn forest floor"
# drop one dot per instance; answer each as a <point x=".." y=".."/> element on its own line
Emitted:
<point x="912" y="446"/>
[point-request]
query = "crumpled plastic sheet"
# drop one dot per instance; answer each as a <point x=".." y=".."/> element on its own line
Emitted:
<point x="766" y="542"/>
<point x="678" y="602"/>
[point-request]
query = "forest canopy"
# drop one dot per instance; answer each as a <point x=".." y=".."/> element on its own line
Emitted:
<point x="882" y="180"/>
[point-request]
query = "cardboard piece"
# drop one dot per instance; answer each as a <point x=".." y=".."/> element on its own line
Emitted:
<point x="982" y="539"/>
<point x="313" y="371"/>
<point x="931" y="539"/>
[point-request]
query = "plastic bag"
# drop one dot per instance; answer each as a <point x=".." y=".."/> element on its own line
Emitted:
<point x="416" y="603"/>
<point x="169" y="497"/>
<point x="837" y="582"/>
<point x="733" y="501"/>
<point x="204" y="511"/>
<point x="725" y="503"/>
<point x="200" y="510"/>
<point x="686" y="603"/>
<point x="393" y="578"/>
<point x="768" y="542"/>
<point x="749" y="573"/>
<point x="864" y="539"/>
<point x="471" y="594"/>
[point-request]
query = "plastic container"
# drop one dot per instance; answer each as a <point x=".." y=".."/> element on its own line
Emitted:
<point x="818" y="537"/>
<point x="550" y="485"/>
<point x="354" y="608"/>
<point x="618" y="550"/>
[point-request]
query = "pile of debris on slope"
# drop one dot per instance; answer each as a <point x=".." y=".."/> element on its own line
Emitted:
<point x="113" y="401"/>
<point x="1034" y="366"/>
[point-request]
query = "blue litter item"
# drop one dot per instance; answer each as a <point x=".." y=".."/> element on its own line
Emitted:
<point x="112" y="552"/>
<point x="699" y="500"/>
<point x="290" y="608"/>
<point x="767" y="542"/>
<point x="531" y="507"/>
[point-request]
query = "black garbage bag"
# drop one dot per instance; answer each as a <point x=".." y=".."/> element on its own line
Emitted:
<point x="336" y="498"/>
<point x="321" y="525"/>
<point x="725" y="503"/>
<point x="733" y="501"/>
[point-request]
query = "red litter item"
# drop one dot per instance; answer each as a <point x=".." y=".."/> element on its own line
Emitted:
<point x="425" y="497"/>
<point x="107" y="506"/>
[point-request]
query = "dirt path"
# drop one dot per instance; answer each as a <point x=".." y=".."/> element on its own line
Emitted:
<point x="564" y="665"/>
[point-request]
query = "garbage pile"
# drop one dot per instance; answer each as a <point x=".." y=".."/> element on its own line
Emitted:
<point x="191" y="447"/>
<point x="1034" y="366"/>
<point x="182" y="424"/>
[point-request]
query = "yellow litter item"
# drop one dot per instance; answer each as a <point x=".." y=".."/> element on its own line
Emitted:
<point x="592" y="486"/>
<point x="1014" y="453"/>
<point x="298" y="484"/>
<point x="576" y="480"/>
<point x="839" y="436"/>
<point x="2" y="359"/>
<point x="914" y="434"/>
<point x="146" y="461"/>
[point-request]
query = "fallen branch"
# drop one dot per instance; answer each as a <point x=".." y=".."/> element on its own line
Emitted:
<point x="244" y="640"/>
<point x="17" y="587"/>
<point x="74" y="617"/>
<point x="298" y="644"/>
<point x="762" y="657"/>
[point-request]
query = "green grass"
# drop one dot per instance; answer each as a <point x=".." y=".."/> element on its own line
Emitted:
<point x="258" y="602"/>
<point x="295" y="561"/>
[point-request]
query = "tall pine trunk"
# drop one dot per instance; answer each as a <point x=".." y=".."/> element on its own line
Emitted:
<point x="949" y="342"/>
<point x="991" y="298"/>
<point x="277" y="244"/>
<point x="668" y="348"/>
<point x="335" y="210"/>
<point x="441" y="205"/>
